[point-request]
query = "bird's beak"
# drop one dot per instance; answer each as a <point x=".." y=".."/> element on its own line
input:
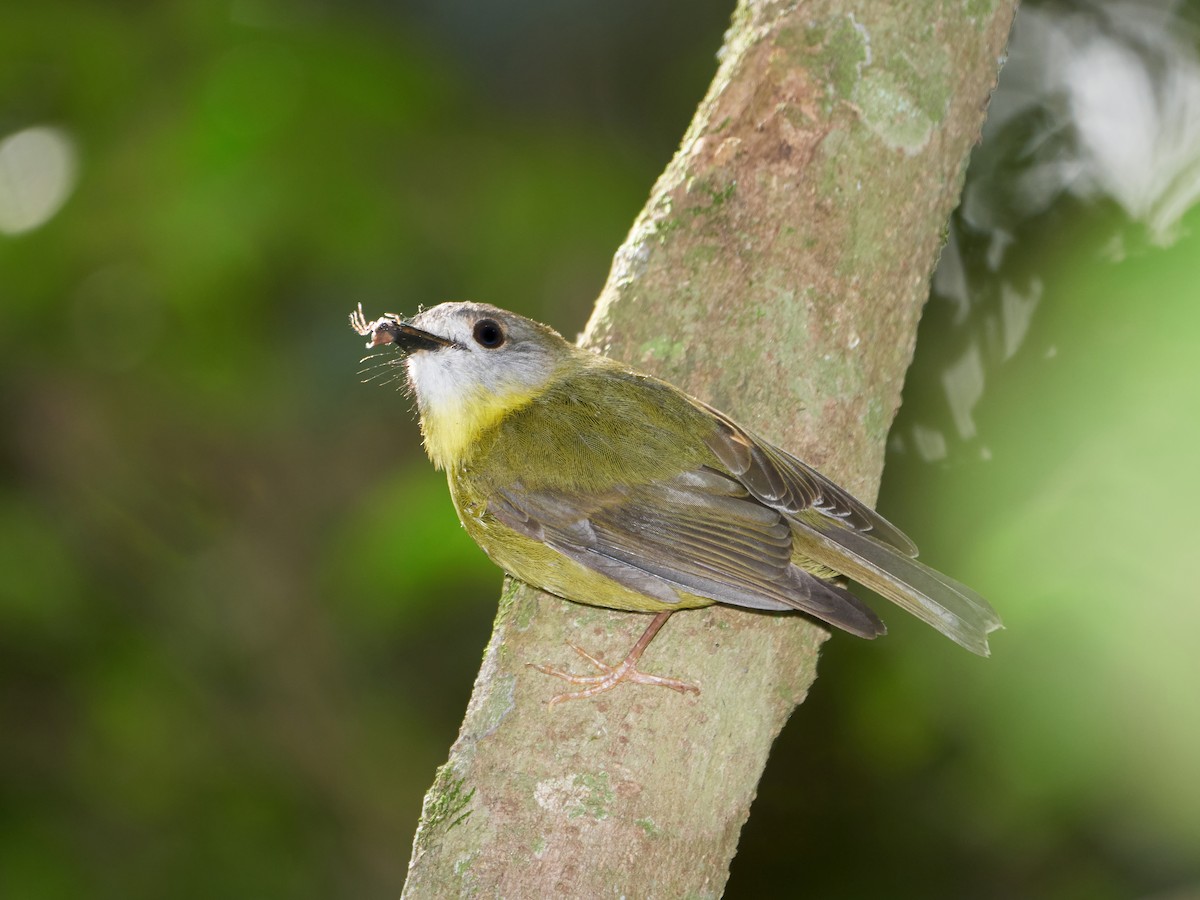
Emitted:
<point x="408" y="338"/>
<point x="391" y="330"/>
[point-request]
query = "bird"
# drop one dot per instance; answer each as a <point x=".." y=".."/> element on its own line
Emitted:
<point x="604" y="485"/>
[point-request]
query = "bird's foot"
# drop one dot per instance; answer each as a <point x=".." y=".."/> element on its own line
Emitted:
<point x="625" y="672"/>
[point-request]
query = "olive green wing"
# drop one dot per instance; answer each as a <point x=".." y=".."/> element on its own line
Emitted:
<point x="832" y="528"/>
<point x="700" y="533"/>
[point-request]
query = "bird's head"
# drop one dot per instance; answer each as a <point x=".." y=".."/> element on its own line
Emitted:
<point x="469" y="365"/>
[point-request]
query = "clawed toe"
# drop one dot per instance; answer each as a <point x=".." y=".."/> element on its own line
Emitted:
<point x="611" y="676"/>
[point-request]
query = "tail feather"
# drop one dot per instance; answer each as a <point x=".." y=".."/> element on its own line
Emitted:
<point x="952" y="608"/>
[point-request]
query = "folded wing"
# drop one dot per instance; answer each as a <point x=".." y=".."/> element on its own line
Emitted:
<point x="700" y="533"/>
<point x="834" y="529"/>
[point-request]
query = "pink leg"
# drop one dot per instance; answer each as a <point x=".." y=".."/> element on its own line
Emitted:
<point x="624" y="672"/>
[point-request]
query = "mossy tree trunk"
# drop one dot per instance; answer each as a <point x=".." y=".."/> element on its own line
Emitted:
<point x="778" y="271"/>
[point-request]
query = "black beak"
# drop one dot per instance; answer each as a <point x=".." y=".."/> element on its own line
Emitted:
<point x="407" y="337"/>
<point x="389" y="329"/>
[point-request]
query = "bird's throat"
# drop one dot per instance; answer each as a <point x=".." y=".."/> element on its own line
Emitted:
<point x="451" y="429"/>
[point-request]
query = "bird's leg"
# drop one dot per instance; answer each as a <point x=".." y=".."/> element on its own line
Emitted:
<point x="626" y="671"/>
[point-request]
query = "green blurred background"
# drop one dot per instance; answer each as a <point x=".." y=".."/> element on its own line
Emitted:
<point x="238" y="619"/>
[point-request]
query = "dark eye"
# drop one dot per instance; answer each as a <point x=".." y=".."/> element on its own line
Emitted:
<point x="488" y="333"/>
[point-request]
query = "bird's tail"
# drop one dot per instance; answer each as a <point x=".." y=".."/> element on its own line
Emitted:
<point x="952" y="608"/>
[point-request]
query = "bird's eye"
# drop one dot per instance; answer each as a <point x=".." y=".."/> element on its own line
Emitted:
<point x="488" y="333"/>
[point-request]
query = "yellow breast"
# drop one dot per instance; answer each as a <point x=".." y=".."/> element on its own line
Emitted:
<point x="452" y="427"/>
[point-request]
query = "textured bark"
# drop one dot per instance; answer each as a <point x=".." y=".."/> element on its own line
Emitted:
<point x="778" y="271"/>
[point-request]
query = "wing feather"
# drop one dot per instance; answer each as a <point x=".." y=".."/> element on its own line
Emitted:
<point x="834" y="529"/>
<point x="783" y="482"/>
<point x="701" y="532"/>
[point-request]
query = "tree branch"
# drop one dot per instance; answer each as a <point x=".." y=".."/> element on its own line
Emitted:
<point x="777" y="271"/>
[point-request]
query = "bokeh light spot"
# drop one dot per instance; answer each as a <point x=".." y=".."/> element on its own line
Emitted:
<point x="38" y="168"/>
